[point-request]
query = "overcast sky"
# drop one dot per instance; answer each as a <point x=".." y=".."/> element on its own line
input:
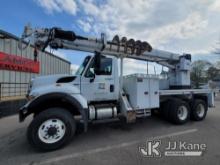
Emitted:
<point x="186" y="26"/>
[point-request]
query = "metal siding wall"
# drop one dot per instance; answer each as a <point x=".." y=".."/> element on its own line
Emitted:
<point x="18" y="75"/>
<point x="58" y="66"/>
<point x="17" y="52"/>
<point x="62" y="67"/>
<point x="39" y="59"/>
<point x="13" y="89"/>
<point x="6" y="73"/>
<point x="49" y="64"/>
<point x="60" y="71"/>
<point x="46" y="65"/>
<point x="6" y="50"/>
<point x="22" y="74"/>
<point x="68" y="68"/>
<point x="43" y="64"/>
<point x="56" y="61"/>
<point x="53" y="65"/>
<point x="65" y="68"/>
<point x="2" y="50"/>
<point x="28" y="55"/>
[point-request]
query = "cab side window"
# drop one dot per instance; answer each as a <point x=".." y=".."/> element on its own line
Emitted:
<point x="90" y="71"/>
<point x="105" y="67"/>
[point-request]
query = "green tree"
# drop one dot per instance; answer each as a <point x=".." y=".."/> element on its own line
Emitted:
<point x="217" y="64"/>
<point x="198" y="72"/>
<point x="212" y="73"/>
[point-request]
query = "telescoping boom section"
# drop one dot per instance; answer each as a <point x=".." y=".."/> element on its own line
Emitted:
<point x="129" y="48"/>
<point x="57" y="38"/>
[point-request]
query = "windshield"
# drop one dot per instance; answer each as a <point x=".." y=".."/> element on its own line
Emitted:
<point x="83" y="66"/>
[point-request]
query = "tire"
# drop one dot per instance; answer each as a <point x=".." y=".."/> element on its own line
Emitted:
<point x="179" y="112"/>
<point x="51" y="129"/>
<point x="199" y="110"/>
<point x="165" y="109"/>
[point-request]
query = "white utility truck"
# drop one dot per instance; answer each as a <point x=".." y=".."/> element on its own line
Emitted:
<point x="99" y="91"/>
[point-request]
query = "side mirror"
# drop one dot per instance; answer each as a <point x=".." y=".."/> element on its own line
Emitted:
<point x="97" y="63"/>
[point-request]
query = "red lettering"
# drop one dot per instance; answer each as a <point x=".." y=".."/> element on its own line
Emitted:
<point x="17" y="63"/>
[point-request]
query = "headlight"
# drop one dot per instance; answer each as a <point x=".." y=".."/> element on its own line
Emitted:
<point x="32" y="96"/>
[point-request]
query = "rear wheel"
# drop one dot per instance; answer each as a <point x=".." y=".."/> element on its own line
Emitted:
<point x="199" y="110"/>
<point x="179" y="111"/>
<point x="51" y="129"/>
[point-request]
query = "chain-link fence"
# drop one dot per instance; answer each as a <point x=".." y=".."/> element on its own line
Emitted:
<point x="12" y="91"/>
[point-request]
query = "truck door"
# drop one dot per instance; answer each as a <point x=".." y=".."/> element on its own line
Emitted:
<point x="99" y="87"/>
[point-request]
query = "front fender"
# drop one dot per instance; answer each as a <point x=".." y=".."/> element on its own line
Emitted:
<point x="75" y="100"/>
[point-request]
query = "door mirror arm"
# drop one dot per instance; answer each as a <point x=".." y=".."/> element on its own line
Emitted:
<point x="92" y="79"/>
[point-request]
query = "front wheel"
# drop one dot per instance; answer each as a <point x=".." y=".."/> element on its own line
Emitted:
<point x="51" y="129"/>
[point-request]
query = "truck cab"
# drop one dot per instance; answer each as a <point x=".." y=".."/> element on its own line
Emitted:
<point x="94" y="85"/>
<point x="99" y="85"/>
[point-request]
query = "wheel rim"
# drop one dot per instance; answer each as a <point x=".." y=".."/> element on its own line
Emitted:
<point x="51" y="131"/>
<point x="182" y="112"/>
<point x="200" y="110"/>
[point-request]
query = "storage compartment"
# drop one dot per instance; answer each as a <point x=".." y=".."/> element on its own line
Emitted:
<point x="142" y="90"/>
